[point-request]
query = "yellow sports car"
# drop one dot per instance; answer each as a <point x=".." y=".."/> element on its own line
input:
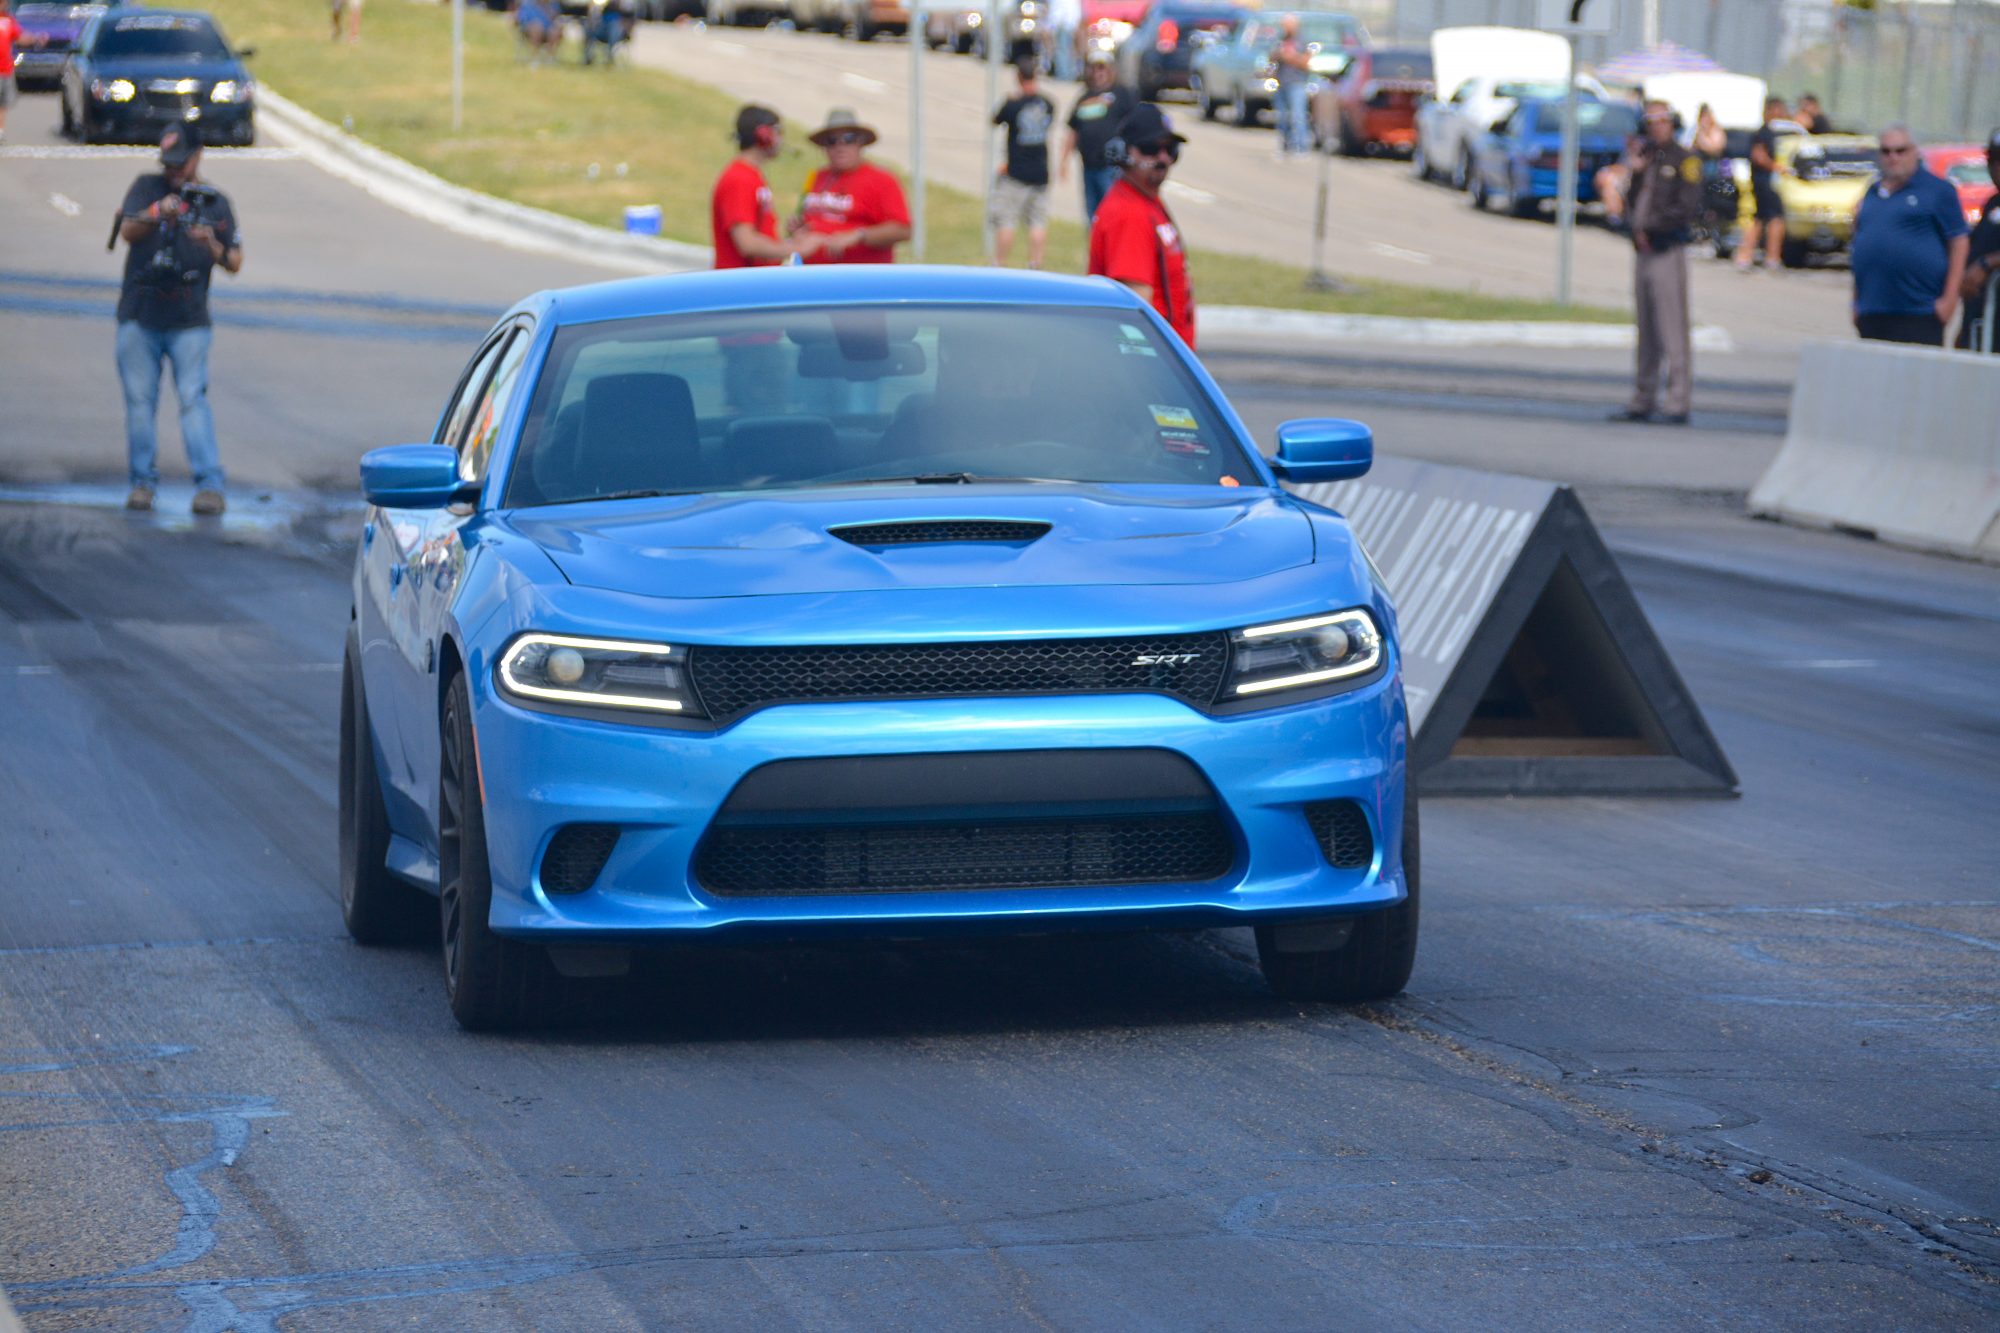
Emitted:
<point x="1821" y="179"/>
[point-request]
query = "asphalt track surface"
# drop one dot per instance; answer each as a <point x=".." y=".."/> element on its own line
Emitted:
<point x="1662" y="1064"/>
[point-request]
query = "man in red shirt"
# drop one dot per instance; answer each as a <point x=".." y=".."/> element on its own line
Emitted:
<point x="853" y="211"/>
<point x="10" y="37"/>
<point x="1133" y="239"/>
<point x="744" y="223"/>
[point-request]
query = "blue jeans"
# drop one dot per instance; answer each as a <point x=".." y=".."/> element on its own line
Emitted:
<point x="1294" y="119"/>
<point x="140" y="351"/>
<point x="1097" y="182"/>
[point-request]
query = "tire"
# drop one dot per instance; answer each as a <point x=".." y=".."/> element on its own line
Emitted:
<point x="1792" y="254"/>
<point x="1202" y="100"/>
<point x="1345" y="141"/>
<point x="1461" y="171"/>
<point x="377" y="907"/>
<point x="68" y="121"/>
<point x="1240" y="113"/>
<point x="1521" y="204"/>
<point x="492" y="983"/>
<point x="1420" y="165"/>
<point x="1375" y="960"/>
<point x="1475" y="191"/>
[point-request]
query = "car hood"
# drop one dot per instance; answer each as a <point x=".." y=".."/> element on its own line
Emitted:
<point x="748" y="545"/>
<point x="141" y="68"/>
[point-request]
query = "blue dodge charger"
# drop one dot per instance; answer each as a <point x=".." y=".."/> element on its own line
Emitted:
<point x="862" y="601"/>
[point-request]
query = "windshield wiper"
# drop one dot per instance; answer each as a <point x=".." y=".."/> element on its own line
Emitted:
<point x="938" y="479"/>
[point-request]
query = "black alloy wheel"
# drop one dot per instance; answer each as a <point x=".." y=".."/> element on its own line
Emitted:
<point x="1372" y="963"/>
<point x="377" y="907"/>
<point x="492" y="983"/>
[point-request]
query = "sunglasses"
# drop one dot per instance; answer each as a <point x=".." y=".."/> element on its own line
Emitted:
<point x="1888" y="151"/>
<point x="1170" y="149"/>
<point x="847" y="137"/>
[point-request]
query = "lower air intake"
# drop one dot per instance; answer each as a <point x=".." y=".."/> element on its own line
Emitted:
<point x="1341" y="829"/>
<point x="576" y="857"/>
<point x="798" y="860"/>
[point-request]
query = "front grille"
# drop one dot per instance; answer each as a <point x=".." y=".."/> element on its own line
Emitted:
<point x="943" y="530"/>
<point x="735" y="681"/>
<point x="1341" y="829"/>
<point x="802" y="860"/>
<point x="576" y="856"/>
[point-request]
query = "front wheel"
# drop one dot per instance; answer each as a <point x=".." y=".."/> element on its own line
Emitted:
<point x="1373" y="962"/>
<point x="1203" y="100"/>
<point x="492" y="983"/>
<point x="1420" y="165"/>
<point x="1793" y="254"/>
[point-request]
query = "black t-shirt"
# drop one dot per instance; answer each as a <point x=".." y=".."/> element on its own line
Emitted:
<point x="1095" y="118"/>
<point x="167" y="271"/>
<point x="1986" y="236"/>
<point x="1027" y="119"/>
<point x="1760" y="177"/>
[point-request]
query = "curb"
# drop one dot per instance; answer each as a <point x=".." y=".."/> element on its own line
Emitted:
<point x="408" y="187"/>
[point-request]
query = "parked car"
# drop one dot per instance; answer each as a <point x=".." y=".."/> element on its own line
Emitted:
<point x="1517" y="165"/>
<point x="747" y="13"/>
<point x="1964" y="165"/>
<point x="865" y="20"/>
<point x="1159" y="54"/>
<point x="1024" y="23"/>
<point x="1373" y="103"/>
<point x="136" y="71"/>
<point x="628" y="663"/>
<point x="1479" y="74"/>
<point x="38" y="68"/>
<point x="1236" y="71"/>
<point x="816" y="15"/>
<point x="1107" y="23"/>
<point x="1820" y="178"/>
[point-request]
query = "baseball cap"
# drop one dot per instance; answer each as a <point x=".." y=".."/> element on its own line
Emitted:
<point x="1148" y="124"/>
<point x="1098" y="56"/>
<point x="178" y="144"/>
<point x="1993" y="143"/>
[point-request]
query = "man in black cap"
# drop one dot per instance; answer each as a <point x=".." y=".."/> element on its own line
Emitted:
<point x="1133" y="239"/>
<point x="176" y="230"/>
<point x="1982" y="260"/>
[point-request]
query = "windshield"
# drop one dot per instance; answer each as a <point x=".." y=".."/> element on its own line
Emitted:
<point x="1599" y="119"/>
<point x="1819" y="164"/>
<point x="54" y="13"/>
<point x="1402" y="65"/>
<point x="842" y="396"/>
<point x="161" y="35"/>
<point x="1520" y="91"/>
<point x="1969" y="172"/>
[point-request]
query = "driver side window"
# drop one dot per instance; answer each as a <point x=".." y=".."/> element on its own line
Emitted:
<point x="469" y="390"/>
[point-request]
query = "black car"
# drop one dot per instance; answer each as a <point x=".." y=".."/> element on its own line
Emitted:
<point x="1160" y="51"/>
<point x="136" y="71"/>
<point x="38" y="68"/>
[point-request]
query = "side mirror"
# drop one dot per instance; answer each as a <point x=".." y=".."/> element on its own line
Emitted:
<point x="411" y="476"/>
<point x="1323" y="449"/>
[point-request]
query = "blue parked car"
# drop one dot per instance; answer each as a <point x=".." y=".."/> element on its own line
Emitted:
<point x="864" y="601"/>
<point x="1516" y="165"/>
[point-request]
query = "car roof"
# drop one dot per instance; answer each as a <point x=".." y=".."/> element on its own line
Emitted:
<point x="827" y="284"/>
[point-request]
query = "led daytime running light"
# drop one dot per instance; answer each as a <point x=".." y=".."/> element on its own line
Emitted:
<point x="517" y="686"/>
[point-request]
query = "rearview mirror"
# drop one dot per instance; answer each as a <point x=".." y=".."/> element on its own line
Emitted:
<point x="1323" y="449"/>
<point x="411" y="476"/>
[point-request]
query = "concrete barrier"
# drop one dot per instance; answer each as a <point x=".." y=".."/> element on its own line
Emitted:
<point x="1902" y="443"/>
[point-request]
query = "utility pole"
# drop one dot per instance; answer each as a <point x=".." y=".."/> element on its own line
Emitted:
<point x="919" y="17"/>
<point x="457" y="65"/>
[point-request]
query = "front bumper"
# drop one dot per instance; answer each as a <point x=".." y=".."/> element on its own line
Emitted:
<point x="39" y="71"/>
<point x="662" y="789"/>
<point x="221" y="122"/>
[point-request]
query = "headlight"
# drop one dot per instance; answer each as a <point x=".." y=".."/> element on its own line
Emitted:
<point x="1316" y="654"/>
<point x="598" y="673"/>
<point x="117" y="90"/>
<point x="228" y="90"/>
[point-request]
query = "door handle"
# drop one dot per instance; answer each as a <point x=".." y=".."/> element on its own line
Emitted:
<point x="368" y="534"/>
<point x="395" y="577"/>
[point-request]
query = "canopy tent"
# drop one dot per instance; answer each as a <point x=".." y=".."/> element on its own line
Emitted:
<point x="1632" y="69"/>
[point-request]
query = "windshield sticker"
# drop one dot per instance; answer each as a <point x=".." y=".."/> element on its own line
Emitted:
<point x="1136" y="349"/>
<point x="1173" y="418"/>
<point x="1183" y="442"/>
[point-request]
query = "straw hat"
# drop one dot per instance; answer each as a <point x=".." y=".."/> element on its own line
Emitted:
<point x="839" y="120"/>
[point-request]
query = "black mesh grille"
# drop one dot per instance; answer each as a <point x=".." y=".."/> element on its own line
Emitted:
<point x="1342" y="831"/>
<point x="795" y="860"/>
<point x="952" y="530"/>
<point x="734" y="681"/>
<point x="575" y="856"/>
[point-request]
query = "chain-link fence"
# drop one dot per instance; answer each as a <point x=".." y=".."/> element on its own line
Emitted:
<point x="1935" y="66"/>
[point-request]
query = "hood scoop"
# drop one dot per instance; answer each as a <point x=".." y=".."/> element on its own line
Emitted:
<point x="927" y="531"/>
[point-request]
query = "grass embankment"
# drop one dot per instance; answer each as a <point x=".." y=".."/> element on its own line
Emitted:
<point x="590" y="142"/>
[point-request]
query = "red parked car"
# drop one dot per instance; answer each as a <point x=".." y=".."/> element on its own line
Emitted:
<point x="1964" y="165"/>
<point x="1373" y="104"/>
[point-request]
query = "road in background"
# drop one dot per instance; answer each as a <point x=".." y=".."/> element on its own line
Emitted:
<point x="1705" y="1062"/>
<point x="1229" y="192"/>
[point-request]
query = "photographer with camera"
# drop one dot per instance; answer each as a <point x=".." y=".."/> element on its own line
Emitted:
<point x="177" y="229"/>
